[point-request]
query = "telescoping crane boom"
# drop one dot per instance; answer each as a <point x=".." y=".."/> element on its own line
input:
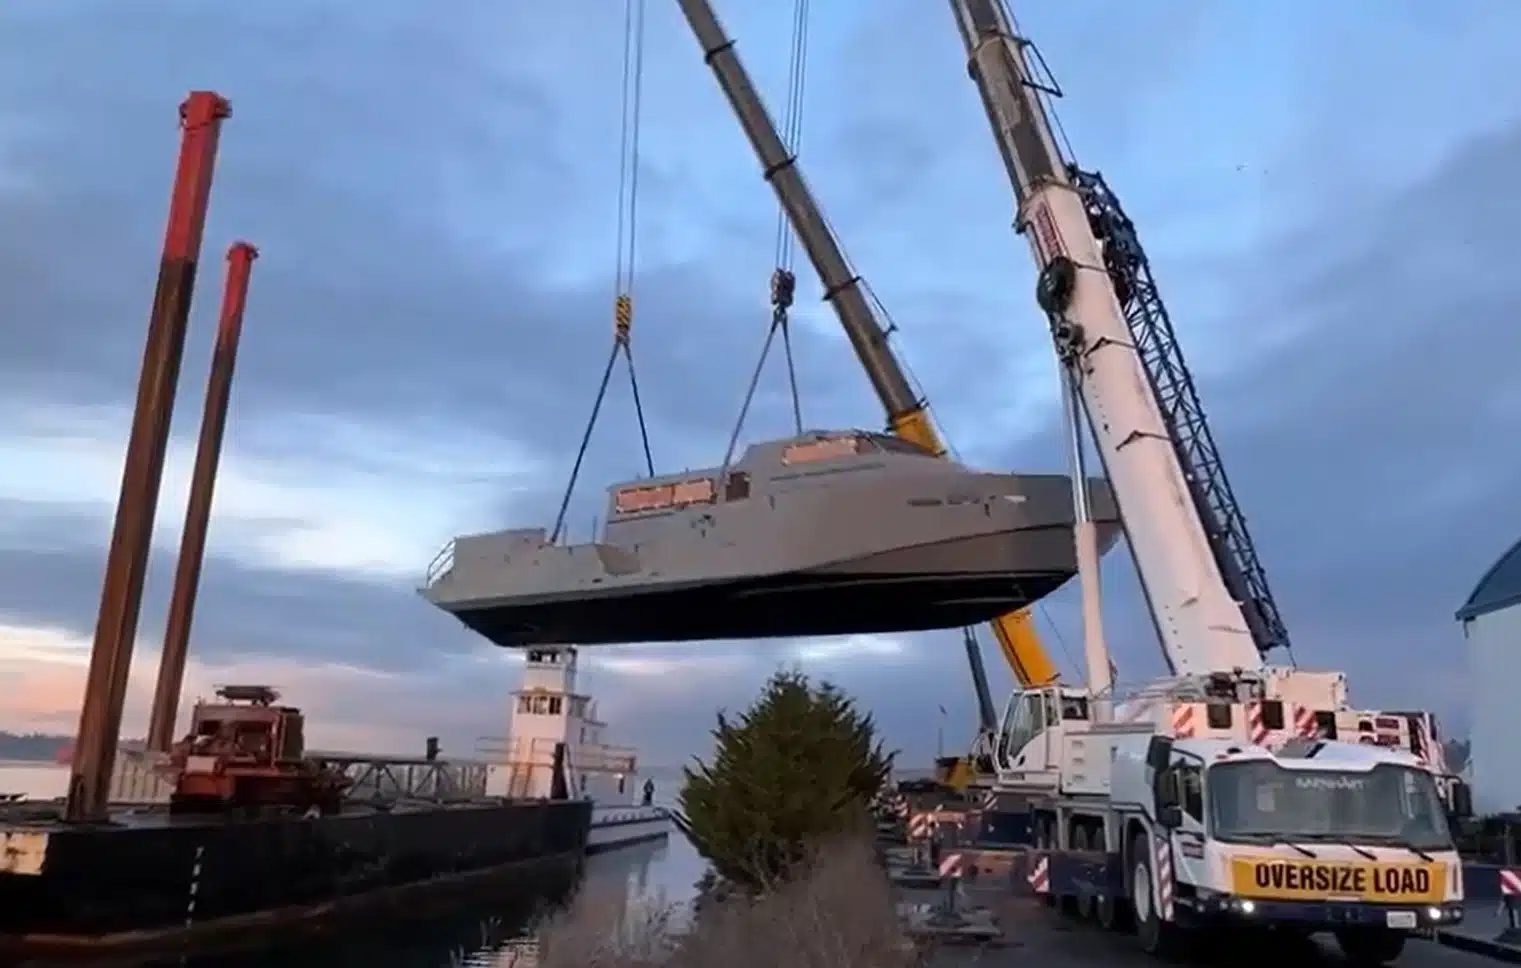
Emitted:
<point x="1115" y="325"/>
<point x="1217" y="797"/>
<point x="907" y="414"/>
<point x="1206" y="590"/>
<point x="1201" y="625"/>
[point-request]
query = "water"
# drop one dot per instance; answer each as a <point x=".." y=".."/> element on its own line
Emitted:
<point x="480" y="938"/>
<point x="39" y="781"/>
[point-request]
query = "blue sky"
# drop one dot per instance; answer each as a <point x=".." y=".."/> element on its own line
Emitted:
<point x="1323" y="190"/>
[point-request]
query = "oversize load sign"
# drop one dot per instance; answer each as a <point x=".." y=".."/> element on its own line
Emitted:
<point x="1294" y="880"/>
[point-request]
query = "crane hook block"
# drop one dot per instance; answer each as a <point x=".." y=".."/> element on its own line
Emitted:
<point x="623" y="317"/>
<point x="1057" y="283"/>
<point x="783" y="285"/>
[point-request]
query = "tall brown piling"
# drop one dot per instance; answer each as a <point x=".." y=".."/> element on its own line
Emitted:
<point x="187" y="572"/>
<point x="201" y="117"/>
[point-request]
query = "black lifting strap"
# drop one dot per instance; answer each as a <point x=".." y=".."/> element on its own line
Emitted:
<point x="783" y="285"/>
<point x="624" y="316"/>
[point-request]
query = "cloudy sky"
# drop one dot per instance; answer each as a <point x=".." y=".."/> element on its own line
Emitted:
<point x="1326" y="192"/>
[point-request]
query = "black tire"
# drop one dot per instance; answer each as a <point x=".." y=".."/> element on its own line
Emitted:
<point x="1153" y="935"/>
<point x="1082" y="839"/>
<point x="1370" y="947"/>
<point x="1044" y="832"/>
<point x="1068" y="904"/>
<point x="1111" y="913"/>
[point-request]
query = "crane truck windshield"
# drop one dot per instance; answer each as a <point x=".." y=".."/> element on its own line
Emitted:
<point x="1388" y="805"/>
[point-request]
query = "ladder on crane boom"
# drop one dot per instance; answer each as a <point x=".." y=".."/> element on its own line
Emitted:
<point x="907" y="414"/>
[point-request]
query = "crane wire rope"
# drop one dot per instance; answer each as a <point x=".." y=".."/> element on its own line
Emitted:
<point x="628" y="236"/>
<point x="783" y="281"/>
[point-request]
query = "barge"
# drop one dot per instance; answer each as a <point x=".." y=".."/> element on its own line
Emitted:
<point x="255" y="844"/>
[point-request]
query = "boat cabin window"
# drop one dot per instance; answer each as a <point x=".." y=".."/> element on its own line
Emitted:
<point x="658" y="497"/>
<point x="540" y="705"/>
<point x="824" y="448"/>
<point x="737" y="486"/>
<point x="208" y="727"/>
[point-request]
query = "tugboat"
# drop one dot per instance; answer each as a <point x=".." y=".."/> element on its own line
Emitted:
<point x="549" y="713"/>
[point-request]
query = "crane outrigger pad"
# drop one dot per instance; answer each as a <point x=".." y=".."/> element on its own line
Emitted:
<point x="827" y="533"/>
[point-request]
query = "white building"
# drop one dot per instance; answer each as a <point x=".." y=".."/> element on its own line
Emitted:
<point x="1492" y="625"/>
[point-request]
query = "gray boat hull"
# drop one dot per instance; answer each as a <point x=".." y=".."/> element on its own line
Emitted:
<point x="876" y="543"/>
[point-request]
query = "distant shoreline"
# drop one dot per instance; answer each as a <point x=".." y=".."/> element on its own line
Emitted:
<point x="16" y="763"/>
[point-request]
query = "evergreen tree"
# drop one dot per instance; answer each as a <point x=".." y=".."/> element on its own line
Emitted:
<point x="798" y="768"/>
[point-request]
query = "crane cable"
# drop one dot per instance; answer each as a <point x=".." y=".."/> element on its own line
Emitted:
<point x="623" y="277"/>
<point x="783" y="281"/>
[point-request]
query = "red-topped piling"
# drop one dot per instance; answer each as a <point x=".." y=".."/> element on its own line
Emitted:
<point x="187" y="573"/>
<point x="201" y="116"/>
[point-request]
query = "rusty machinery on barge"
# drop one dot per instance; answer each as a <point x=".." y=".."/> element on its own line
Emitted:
<point x="258" y="834"/>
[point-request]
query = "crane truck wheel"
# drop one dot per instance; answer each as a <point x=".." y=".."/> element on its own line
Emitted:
<point x="1108" y="914"/>
<point x="1082" y="839"/>
<point x="1111" y="913"/>
<point x="1370" y="946"/>
<point x="1155" y="936"/>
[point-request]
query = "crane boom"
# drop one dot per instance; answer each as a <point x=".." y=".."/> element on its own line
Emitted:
<point x="907" y="415"/>
<point x="1201" y="626"/>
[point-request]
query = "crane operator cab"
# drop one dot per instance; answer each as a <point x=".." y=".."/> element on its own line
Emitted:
<point x="1315" y="836"/>
<point x="1029" y="735"/>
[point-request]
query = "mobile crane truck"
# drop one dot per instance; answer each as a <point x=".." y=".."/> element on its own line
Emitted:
<point x="1219" y="797"/>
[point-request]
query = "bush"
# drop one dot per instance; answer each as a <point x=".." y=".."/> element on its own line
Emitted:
<point x="799" y="768"/>
<point x="840" y="915"/>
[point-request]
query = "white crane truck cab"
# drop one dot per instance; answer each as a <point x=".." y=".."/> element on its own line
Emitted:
<point x="1220" y="836"/>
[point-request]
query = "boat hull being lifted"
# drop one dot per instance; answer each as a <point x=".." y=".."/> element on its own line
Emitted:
<point x="823" y="534"/>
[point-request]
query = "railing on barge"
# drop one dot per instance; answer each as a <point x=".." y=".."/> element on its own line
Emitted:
<point x="385" y="778"/>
